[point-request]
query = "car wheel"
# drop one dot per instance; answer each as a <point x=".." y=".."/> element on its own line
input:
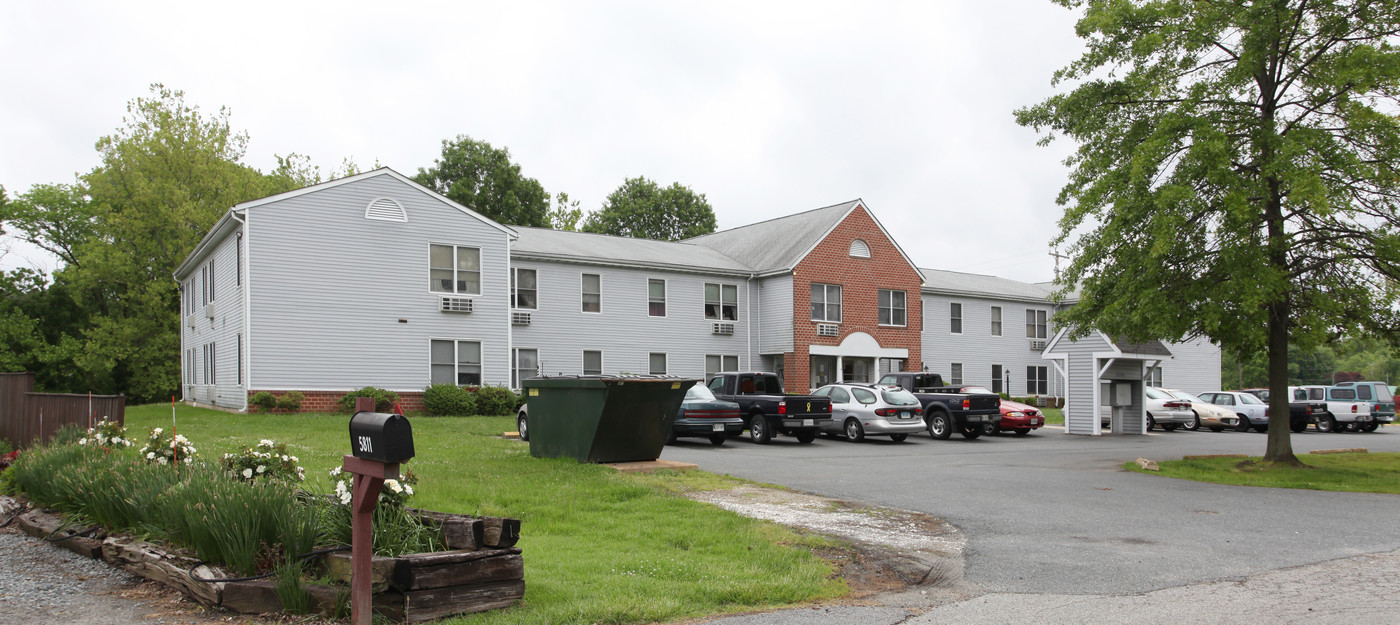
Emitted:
<point x="717" y="439"/>
<point x="1195" y="422"/>
<point x="938" y="425"/>
<point x="898" y="438"/>
<point x="991" y="429"/>
<point x="1170" y="427"/>
<point x="1325" y="423"/>
<point x="1216" y="428"/>
<point x="970" y="432"/>
<point x="758" y="430"/>
<point x="1022" y="432"/>
<point x="854" y="432"/>
<point x="1151" y="423"/>
<point x="1243" y="425"/>
<point x="806" y="436"/>
<point x="522" y="425"/>
<point x="1370" y="427"/>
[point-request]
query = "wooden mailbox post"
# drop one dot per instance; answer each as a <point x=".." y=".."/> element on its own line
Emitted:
<point x="378" y="442"/>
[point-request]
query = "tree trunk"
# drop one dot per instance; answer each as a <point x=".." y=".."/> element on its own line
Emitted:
<point x="1280" y="444"/>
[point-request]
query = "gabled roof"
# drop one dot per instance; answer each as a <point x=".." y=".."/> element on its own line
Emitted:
<point x="1147" y="350"/>
<point x="604" y="249"/>
<point x="980" y="285"/>
<point x="777" y="244"/>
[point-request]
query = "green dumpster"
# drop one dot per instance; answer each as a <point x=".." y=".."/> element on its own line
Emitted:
<point x="602" y="418"/>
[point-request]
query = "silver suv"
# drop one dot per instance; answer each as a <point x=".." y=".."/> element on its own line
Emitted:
<point x="861" y="410"/>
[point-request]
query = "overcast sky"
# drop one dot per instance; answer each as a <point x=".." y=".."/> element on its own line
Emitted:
<point x="766" y="108"/>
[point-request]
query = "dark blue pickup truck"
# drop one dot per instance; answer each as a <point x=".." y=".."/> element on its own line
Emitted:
<point x="946" y="408"/>
<point x="767" y="410"/>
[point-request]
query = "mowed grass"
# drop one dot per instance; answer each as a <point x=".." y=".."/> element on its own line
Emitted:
<point x="1350" y="472"/>
<point x="1053" y="416"/>
<point x="599" y="546"/>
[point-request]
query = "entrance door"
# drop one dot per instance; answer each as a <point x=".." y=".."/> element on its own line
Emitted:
<point x="860" y="370"/>
<point x="823" y="370"/>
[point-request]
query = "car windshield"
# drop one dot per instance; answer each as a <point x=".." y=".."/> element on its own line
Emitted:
<point x="1187" y="396"/>
<point x="699" y="392"/>
<point x="1246" y="398"/>
<point x="1156" y="394"/>
<point x="976" y="389"/>
<point x="899" y="397"/>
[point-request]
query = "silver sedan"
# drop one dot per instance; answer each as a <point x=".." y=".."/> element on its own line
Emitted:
<point x="861" y="410"/>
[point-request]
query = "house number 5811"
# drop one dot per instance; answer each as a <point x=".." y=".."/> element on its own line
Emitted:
<point x="365" y="444"/>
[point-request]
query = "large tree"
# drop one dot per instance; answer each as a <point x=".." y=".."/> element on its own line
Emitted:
<point x="1236" y="174"/>
<point x="643" y="209"/>
<point x="484" y="179"/>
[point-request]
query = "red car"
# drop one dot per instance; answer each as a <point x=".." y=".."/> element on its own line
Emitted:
<point x="1015" y="416"/>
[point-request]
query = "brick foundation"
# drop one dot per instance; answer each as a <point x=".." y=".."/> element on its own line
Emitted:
<point x="329" y="401"/>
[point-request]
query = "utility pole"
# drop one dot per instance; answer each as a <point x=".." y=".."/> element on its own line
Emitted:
<point x="1055" y="252"/>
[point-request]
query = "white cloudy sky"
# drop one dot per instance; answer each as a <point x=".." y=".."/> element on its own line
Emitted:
<point x="767" y="108"/>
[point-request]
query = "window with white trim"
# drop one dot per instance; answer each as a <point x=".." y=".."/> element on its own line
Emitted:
<point x="955" y="374"/>
<point x="996" y="321"/>
<point x="455" y="362"/>
<point x="1037" y="380"/>
<point x="527" y="365"/>
<point x="454" y="269"/>
<point x="524" y="289"/>
<point x="955" y="318"/>
<point x="1035" y="324"/>
<point x="716" y="363"/>
<point x="238" y="257"/>
<point x="997" y="378"/>
<point x="592" y="362"/>
<point x="592" y="293"/>
<point x="826" y="302"/>
<point x="892" y="311"/>
<point x="721" y="301"/>
<point x="656" y="297"/>
<point x="656" y="364"/>
<point x="210" y="372"/>
<point x="1154" y="376"/>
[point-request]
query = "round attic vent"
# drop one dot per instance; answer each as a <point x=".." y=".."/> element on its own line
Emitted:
<point x="859" y="249"/>
<point x="385" y="209"/>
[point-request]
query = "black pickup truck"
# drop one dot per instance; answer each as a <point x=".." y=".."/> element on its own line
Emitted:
<point x="767" y="410"/>
<point x="946" y="408"/>
<point x="1304" y="407"/>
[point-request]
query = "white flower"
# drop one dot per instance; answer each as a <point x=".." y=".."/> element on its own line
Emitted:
<point x="408" y="489"/>
<point x="336" y="471"/>
<point x="150" y="455"/>
<point x="393" y="485"/>
<point x="345" y="498"/>
<point x="266" y="443"/>
<point x="156" y="432"/>
<point x="189" y="460"/>
<point x="82" y="442"/>
<point x="294" y="459"/>
<point x="261" y="468"/>
<point x="162" y="460"/>
<point x="248" y="473"/>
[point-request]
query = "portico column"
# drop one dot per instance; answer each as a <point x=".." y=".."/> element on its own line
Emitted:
<point x="840" y="370"/>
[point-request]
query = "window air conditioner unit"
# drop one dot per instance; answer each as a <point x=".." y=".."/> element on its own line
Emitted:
<point x="1037" y="345"/>
<point x="519" y="318"/>
<point x="827" y="329"/>
<point x="456" y="304"/>
<point x="209" y="310"/>
<point x="722" y="328"/>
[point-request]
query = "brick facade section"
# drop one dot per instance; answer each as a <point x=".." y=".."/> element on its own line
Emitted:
<point x="329" y="401"/>
<point x="830" y="262"/>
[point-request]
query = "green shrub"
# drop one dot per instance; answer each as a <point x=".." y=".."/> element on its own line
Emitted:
<point x="494" y="401"/>
<point x="67" y="434"/>
<point x="448" y="400"/>
<point x="263" y="400"/>
<point x="383" y="400"/>
<point x="5" y="446"/>
<point x="291" y="401"/>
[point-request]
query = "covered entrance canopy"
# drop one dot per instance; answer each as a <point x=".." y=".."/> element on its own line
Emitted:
<point x="857" y="359"/>
<point x="1104" y="381"/>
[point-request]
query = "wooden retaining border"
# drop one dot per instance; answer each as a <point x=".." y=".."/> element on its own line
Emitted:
<point x="482" y="570"/>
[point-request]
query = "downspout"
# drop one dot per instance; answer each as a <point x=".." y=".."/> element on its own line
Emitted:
<point x="748" y="324"/>
<point x="245" y="295"/>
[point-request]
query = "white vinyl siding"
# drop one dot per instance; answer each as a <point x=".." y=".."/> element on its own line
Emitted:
<point x="775" y="314"/>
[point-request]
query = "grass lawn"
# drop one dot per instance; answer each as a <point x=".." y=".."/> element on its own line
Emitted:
<point x="1053" y="416"/>
<point x="1359" y="472"/>
<point x="599" y="546"/>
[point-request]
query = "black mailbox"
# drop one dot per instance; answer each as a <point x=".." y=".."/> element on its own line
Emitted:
<point x="379" y="436"/>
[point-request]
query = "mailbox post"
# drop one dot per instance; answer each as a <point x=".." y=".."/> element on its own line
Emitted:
<point x="378" y="442"/>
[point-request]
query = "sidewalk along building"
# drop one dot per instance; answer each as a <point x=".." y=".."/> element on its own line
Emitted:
<point x="374" y="280"/>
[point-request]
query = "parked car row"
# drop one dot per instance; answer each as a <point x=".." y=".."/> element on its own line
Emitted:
<point x="1344" y="407"/>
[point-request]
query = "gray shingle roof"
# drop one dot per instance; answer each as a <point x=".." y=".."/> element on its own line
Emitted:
<point x="615" y="250"/>
<point x="958" y="283"/>
<point x="1148" y="348"/>
<point x="776" y="244"/>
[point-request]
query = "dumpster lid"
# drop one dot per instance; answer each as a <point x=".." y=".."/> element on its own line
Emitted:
<point x="600" y="381"/>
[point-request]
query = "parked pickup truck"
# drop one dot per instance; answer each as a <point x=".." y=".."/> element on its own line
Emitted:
<point x="1343" y="409"/>
<point x="767" y="410"/>
<point x="1304" y="406"/>
<point x="946" y="408"/>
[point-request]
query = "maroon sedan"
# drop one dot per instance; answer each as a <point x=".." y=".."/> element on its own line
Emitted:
<point x="1015" y="416"/>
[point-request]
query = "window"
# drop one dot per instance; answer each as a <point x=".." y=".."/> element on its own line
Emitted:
<point x="523" y="289"/>
<point x="840" y="396"/>
<point x="238" y="252"/>
<point x="955" y="375"/>
<point x="656" y="297"/>
<point x="210" y="372"/>
<point x="592" y="362"/>
<point x="657" y="364"/>
<point x="453" y="269"/>
<point x="826" y="302"/>
<point x="207" y="273"/>
<point x="721" y="301"/>
<point x="996" y="379"/>
<point x="891" y="365"/>
<point x="863" y="396"/>
<point x="527" y="365"/>
<point x="1154" y="376"/>
<point x="240" y="360"/>
<point x="455" y="362"/>
<point x="891" y="307"/>
<point x="996" y="321"/>
<point x="189" y="297"/>
<point x="1035" y="324"/>
<point x="955" y="318"/>
<point x="189" y="366"/>
<point x="592" y="293"/>
<point x="715" y="364"/>
<point x="1037" y="380"/>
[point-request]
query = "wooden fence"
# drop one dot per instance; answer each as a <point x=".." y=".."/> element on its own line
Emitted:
<point x="26" y="416"/>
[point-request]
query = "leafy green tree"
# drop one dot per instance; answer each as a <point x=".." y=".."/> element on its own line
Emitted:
<point x="643" y="209"/>
<point x="483" y="178"/>
<point x="53" y="217"/>
<point x="565" y="215"/>
<point x="1236" y="175"/>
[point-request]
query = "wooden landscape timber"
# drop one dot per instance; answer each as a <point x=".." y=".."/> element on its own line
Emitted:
<point x="482" y="571"/>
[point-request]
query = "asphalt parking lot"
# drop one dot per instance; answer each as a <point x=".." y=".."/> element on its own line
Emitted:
<point x="1056" y="514"/>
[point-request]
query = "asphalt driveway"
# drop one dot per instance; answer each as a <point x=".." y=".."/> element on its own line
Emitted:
<point x="1052" y="513"/>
